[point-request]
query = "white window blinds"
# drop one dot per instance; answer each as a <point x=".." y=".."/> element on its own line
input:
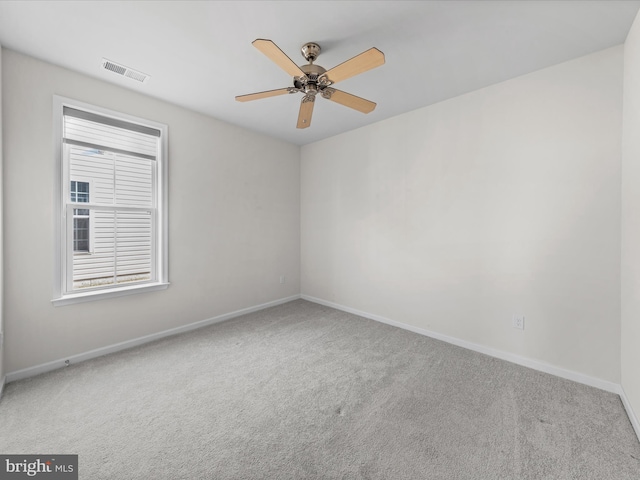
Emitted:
<point x="91" y="130"/>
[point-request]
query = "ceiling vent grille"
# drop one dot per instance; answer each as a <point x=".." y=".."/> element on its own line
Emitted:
<point x="125" y="71"/>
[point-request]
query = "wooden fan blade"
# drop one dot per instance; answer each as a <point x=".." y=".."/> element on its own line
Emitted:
<point x="348" y="100"/>
<point x="306" y="110"/>
<point x="372" y="58"/>
<point x="277" y="56"/>
<point x="259" y="95"/>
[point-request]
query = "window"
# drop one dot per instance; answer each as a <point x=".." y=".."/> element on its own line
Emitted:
<point x="111" y="227"/>
<point x="81" y="218"/>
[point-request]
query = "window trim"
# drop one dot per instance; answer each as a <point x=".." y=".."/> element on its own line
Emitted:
<point x="59" y="190"/>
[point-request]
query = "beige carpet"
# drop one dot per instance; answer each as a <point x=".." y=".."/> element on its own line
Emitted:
<point x="302" y="391"/>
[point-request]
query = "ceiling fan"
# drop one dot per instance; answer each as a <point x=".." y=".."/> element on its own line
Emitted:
<point x="312" y="80"/>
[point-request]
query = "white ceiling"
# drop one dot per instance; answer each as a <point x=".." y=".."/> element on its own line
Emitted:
<point x="199" y="54"/>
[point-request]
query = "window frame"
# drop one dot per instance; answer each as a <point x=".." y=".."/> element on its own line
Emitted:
<point x="62" y="179"/>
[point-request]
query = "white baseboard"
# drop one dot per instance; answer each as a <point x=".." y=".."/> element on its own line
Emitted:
<point x="510" y="357"/>
<point x="98" y="352"/>
<point x="632" y="416"/>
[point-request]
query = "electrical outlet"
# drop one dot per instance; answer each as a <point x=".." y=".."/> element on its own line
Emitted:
<point x="282" y="279"/>
<point x="518" y="322"/>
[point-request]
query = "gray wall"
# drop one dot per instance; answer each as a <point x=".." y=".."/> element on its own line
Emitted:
<point x="631" y="220"/>
<point x="234" y="220"/>
<point x="453" y="217"/>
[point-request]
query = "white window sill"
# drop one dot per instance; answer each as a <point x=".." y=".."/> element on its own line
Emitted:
<point x="110" y="293"/>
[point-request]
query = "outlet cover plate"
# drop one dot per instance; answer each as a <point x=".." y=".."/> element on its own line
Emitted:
<point x="518" y="322"/>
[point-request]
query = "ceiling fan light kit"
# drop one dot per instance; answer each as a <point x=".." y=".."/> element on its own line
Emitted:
<point x="311" y="79"/>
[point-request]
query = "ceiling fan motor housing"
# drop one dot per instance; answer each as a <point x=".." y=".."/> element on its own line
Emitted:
<point x="313" y="81"/>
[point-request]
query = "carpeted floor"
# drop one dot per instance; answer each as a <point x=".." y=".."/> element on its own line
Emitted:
<point x="302" y="391"/>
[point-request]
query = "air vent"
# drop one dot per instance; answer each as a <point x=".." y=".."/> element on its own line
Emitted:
<point x="125" y="71"/>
